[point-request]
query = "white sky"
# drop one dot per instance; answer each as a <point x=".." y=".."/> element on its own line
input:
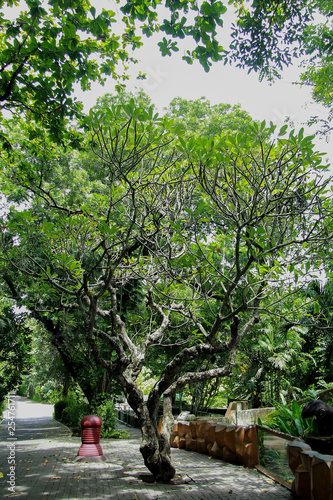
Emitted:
<point x="169" y="77"/>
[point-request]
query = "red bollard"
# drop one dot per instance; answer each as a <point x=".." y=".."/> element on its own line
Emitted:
<point x="90" y="449"/>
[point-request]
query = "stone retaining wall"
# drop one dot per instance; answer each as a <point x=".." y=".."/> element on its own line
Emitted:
<point x="313" y="472"/>
<point x="238" y="445"/>
<point x="230" y="443"/>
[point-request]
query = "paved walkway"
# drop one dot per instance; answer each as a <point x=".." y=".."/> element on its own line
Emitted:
<point x="43" y="451"/>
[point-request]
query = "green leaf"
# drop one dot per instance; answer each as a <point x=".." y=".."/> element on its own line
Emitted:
<point x="283" y="130"/>
<point x="316" y="307"/>
<point x="299" y="427"/>
<point x="200" y="208"/>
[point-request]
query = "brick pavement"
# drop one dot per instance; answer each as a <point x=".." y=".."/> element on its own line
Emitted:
<point x="45" y="468"/>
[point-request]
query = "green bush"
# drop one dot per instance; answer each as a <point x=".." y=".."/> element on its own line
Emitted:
<point x="73" y="413"/>
<point x="122" y="434"/>
<point x="46" y="390"/>
<point x="23" y="389"/>
<point x="2" y="407"/>
<point x="70" y="412"/>
<point x="103" y="407"/>
<point x="289" y="420"/>
<point x="59" y="406"/>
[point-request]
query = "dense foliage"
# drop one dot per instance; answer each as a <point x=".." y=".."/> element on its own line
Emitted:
<point x="71" y="410"/>
<point x="174" y="243"/>
<point x="15" y="347"/>
<point x="45" y="50"/>
<point x="50" y="47"/>
<point x="147" y="245"/>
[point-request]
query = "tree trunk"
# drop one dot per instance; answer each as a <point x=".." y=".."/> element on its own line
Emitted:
<point x="155" y="447"/>
<point x="65" y="386"/>
<point x="155" y="450"/>
<point x="257" y="400"/>
<point x="103" y="385"/>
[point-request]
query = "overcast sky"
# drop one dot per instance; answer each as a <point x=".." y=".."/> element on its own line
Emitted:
<point x="169" y="77"/>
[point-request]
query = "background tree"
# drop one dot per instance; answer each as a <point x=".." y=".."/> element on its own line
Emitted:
<point x="269" y="36"/>
<point x="268" y="364"/>
<point x="319" y="64"/>
<point x="49" y="48"/>
<point x="318" y="337"/>
<point x="201" y="118"/>
<point x="70" y="43"/>
<point x="15" y="347"/>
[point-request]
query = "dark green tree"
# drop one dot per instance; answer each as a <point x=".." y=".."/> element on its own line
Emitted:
<point x="46" y="50"/>
<point x="15" y="347"/>
<point x="318" y="339"/>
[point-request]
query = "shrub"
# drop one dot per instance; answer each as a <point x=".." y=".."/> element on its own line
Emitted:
<point x="289" y="419"/>
<point x="2" y="407"/>
<point x="103" y="407"/>
<point x="46" y="390"/>
<point x="59" y="406"/>
<point x="70" y="412"/>
<point x="73" y="413"/>
<point x="122" y="434"/>
<point x="23" y="389"/>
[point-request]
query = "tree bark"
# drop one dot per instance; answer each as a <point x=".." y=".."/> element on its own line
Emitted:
<point x="155" y="449"/>
<point x="155" y="446"/>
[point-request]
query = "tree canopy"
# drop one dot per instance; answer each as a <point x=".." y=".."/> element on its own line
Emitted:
<point x="48" y="48"/>
<point x="151" y="243"/>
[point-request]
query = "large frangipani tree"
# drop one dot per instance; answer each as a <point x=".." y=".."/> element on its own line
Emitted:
<point x="158" y="244"/>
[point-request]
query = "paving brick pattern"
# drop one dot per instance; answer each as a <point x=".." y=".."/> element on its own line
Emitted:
<point x="45" y="468"/>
